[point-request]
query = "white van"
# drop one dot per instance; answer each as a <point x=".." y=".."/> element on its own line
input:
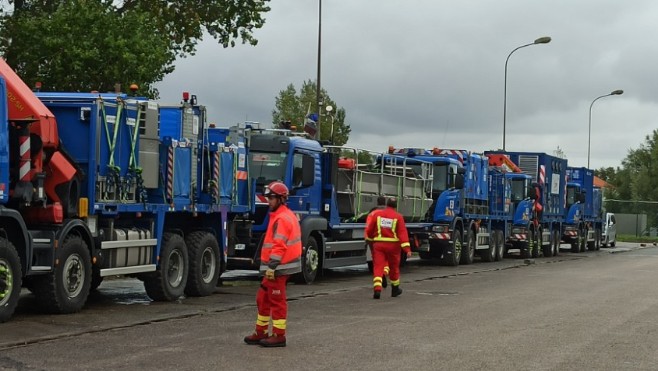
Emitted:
<point x="609" y="236"/>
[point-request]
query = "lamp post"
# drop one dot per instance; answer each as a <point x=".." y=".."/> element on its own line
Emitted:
<point x="589" y="129"/>
<point x="329" y="110"/>
<point x="541" y="40"/>
<point x="318" y="102"/>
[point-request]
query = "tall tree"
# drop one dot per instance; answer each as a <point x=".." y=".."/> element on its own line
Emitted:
<point x="94" y="44"/>
<point x="295" y="107"/>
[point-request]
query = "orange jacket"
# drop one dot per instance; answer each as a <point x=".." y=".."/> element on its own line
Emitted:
<point x="387" y="226"/>
<point x="282" y="246"/>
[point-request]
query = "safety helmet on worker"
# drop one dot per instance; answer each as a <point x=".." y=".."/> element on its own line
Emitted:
<point x="277" y="188"/>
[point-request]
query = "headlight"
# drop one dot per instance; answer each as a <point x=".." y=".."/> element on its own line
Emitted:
<point x="440" y="228"/>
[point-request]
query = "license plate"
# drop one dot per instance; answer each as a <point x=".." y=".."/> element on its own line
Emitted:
<point x="240" y="246"/>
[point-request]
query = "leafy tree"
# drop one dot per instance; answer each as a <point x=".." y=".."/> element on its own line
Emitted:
<point x="294" y="107"/>
<point x="94" y="44"/>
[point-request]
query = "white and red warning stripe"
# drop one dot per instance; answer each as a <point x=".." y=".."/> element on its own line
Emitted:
<point x="170" y="173"/>
<point x="571" y="233"/>
<point x="519" y="237"/>
<point x="440" y="236"/>
<point x="25" y="165"/>
<point x="216" y="174"/>
<point x="260" y="199"/>
<point x="542" y="174"/>
<point x="241" y="175"/>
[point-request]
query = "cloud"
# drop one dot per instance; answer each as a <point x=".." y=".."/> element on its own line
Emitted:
<point x="431" y="73"/>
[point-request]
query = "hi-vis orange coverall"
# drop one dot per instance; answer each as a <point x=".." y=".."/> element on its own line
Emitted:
<point x="389" y="238"/>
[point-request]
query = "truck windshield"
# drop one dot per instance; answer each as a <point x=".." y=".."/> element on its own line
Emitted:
<point x="267" y="167"/>
<point x="571" y="195"/>
<point x="519" y="188"/>
<point x="441" y="181"/>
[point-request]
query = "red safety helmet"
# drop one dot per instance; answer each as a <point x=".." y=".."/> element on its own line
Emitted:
<point x="278" y="189"/>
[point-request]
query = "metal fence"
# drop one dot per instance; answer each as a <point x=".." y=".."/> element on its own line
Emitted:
<point x="638" y="218"/>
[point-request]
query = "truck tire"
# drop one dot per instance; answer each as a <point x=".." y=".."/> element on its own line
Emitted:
<point x="203" y="272"/>
<point x="10" y="279"/>
<point x="591" y="245"/>
<point x="452" y="255"/>
<point x="555" y="242"/>
<point x="468" y="254"/>
<point x="546" y="249"/>
<point x="168" y="282"/>
<point x="500" y="245"/>
<point x="65" y="290"/>
<point x="489" y="254"/>
<point x="310" y="262"/>
<point x="597" y="240"/>
<point x="583" y="240"/>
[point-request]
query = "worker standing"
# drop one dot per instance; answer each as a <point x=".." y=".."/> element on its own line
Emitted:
<point x="389" y="237"/>
<point x="381" y="204"/>
<point x="280" y="257"/>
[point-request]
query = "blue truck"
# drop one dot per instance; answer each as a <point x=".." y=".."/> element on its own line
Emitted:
<point x="462" y="225"/>
<point x="332" y="189"/>
<point x="95" y="185"/>
<point x="583" y="226"/>
<point x="540" y="230"/>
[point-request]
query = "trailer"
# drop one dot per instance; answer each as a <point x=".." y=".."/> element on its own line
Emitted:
<point x="332" y="189"/>
<point x="100" y="185"/>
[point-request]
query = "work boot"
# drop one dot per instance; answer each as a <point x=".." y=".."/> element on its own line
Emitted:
<point x="255" y="338"/>
<point x="274" y="341"/>
<point x="376" y="294"/>
<point x="396" y="291"/>
<point x="384" y="281"/>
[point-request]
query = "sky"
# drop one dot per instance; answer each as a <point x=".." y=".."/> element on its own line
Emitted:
<point x="431" y="73"/>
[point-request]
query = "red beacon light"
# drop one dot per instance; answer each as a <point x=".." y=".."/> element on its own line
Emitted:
<point x="134" y="88"/>
<point x="186" y="96"/>
<point x="436" y="151"/>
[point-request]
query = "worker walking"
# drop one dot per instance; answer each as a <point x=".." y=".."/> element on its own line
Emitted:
<point x="389" y="237"/>
<point x="381" y="204"/>
<point x="280" y="257"/>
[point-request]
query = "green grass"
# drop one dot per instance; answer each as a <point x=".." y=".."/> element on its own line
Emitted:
<point x="634" y="238"/>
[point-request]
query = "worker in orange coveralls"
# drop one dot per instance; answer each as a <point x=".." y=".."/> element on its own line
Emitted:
<point x="389" y="237"/>
<point x="280" y="257"/>
<point x="381" y="204"/>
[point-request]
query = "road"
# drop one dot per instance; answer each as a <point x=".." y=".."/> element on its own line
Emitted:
<point x="597" y="310"/>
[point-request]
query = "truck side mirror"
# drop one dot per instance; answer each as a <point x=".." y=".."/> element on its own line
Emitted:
<point x="459" y="181"/>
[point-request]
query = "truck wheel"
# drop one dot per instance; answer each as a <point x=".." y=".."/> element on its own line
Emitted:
<point x="203" y="273"/>
<point x="583" y="240"/>
<point x="591" y="245"/>
<point x="451" y="257"/>
<point x="168" y="282"/>
<point x="546" y="249"/>
<point x="556" y="242"/>
<point x="65" y="290"/>
<point x="10" y="279"/>
<point x="597" y="240"/>
<point x="490" y="254"/>
<point x="500" y="245"/>
<point x="310" y="262"/>
<point x="468" y="254"/>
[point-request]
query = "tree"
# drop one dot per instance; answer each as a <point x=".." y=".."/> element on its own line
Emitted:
<point x="294" y="107"/>
<point x="83" y="45"/>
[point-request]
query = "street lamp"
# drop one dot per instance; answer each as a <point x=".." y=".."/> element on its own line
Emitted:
<point x="329" y="109"/>
<point x="541" y="40"/>
<point x="318" y="102"/>
<point x="589" y="130"/>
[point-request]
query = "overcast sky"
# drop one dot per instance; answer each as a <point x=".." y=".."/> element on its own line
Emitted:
<point x="430" y="73"/>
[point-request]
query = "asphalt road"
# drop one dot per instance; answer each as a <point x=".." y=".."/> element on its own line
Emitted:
<point x="593" y="311"/>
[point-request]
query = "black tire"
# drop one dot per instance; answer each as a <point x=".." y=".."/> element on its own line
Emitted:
<point x="451" y="257"/>
<point x="500" y="245"/>
<point x="204" y="266"/>
<point x="583" y="240"/>
<point x="468" y="254"/>
<point x="310" y="262"/>
<point x="597" y="240"/>
<point x="546" y="249"/>
<point x="96" y="278"/>
<point x="168" y="282"/>
<point x="591" y="245"/>
<point x="65" y="290"/>
<point x="489" y="255"/>
<point x="556" y="242"/>
<point x="10" y="279"/>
